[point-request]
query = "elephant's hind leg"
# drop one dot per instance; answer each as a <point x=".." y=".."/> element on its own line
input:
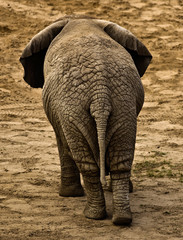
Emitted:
<point x="95" y="208"/>
<point x="130" y="186"/>
<point x="121" y="206"/>
<point x="70" y="175"/>
<point x="121" y="154"/>
<point x="85" y="161"/>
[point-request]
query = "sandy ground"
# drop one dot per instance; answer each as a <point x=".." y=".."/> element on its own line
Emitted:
<point x="29" y="165"/>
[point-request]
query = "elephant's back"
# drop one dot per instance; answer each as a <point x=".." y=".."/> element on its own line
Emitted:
<point x="86" y="58"/>
<point x="88" y="49"/>
<point x="83" y="68"/>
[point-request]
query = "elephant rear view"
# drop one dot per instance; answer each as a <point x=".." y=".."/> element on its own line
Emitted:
<point x="90" y="72"/>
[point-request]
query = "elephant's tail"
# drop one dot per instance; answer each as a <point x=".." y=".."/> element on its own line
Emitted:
<point x="101" y="118"/>
<point x="101" y="132"/>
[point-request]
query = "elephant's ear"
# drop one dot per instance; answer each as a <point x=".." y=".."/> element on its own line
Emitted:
<point x="34" y="53"/>
<point x="140" y="54"/>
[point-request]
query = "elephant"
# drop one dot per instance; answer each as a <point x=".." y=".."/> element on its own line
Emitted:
<point x="90" y="71"/>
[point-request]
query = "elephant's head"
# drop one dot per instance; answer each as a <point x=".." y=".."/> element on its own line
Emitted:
<point x="33" y="55"/>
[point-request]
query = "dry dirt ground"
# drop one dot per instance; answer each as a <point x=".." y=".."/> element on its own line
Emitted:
<point x="29" y="166"/>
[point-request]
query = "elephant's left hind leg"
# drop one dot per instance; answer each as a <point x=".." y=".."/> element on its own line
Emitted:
<point x="70" y="175"/>
<point x="95" y="207"/>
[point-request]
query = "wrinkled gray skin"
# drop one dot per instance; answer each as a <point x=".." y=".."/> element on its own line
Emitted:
<point x="92" y="95"/>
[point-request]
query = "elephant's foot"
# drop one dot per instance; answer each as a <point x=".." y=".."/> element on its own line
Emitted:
<point x="95" y="208"/>
<point x="71" y="185"/>
<point x="121" y="205"/>
<point x="71" y="191"/>
<point x="70" y="180"/>
<point x="95" y="212"/>
<point x="122" y="218"/>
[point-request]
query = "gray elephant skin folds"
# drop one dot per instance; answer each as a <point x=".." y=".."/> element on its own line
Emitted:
<point x="90" y="72"/>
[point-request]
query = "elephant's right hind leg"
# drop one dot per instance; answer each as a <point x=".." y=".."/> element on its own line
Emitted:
<point x="130" y="186"/>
